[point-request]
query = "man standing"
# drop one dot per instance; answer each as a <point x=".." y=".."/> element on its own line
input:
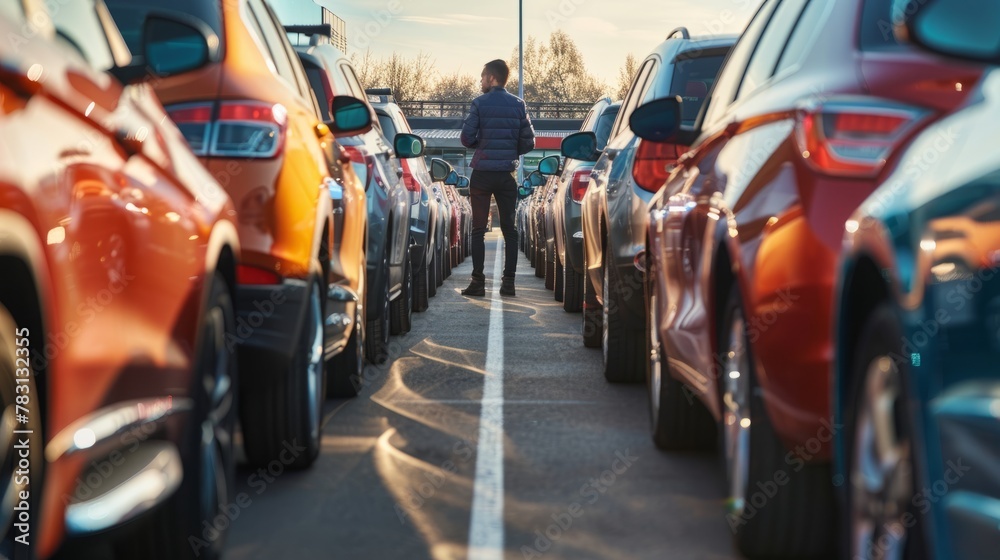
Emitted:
<point x="499" y="129"/>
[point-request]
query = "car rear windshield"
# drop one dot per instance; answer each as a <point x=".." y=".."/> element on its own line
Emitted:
<point x="876" y="27"/>
<point x="388" y="127"/>
<point x="693" y="78"/>
<point x="604" y="124"/>
<point x="130" y="15"/>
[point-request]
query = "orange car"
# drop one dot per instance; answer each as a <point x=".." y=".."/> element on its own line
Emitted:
<point x="250" y="114"/>
<point x="118" y="256"/>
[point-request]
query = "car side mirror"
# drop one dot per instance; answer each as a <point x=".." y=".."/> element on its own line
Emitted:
<point x="176" y="43"/>
<point x="581" y="146"/>
<point x="464" y="191"/>
<point x="536" y="179"/>
<point x="452" y="178"/>
<point x="658" y="121"/>
<point x="408" y="146"/>
<point x="550" y="165"/>
<point x="440" y="169"/>
<point x="350" y="116"/>
<point x="958" y="28"/>
<point x="523" y="192"/>
<point x="463" y="182"/>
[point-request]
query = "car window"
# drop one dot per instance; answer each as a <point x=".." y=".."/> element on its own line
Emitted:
<point x="272" y="38"/>
<point x="635" y="93"/>
<point x="876" y="27"/>
<point x="693" y="77"/>
<point x="588" y="121"/>
<point x="604" y="124"/>
<point x="388" y="127"/>
<point x="352" y="81"/>
<point x="733" y="69"/>
<point x="318" y="85"/>
<point x="130" y="16"/>
<point x="805" y="32"/>
<point x="765" y="57"/>
<point x="78" y="25"/>
<point x="282" y="38"/>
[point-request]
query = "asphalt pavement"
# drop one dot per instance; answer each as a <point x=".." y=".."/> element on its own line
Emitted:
<point x="558" y="462"/>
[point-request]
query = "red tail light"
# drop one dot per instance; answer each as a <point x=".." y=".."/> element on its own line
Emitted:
<point x="854" y="137"/>
<point x="255" y="276"/>
<point x="578" y="185"/>
<point x="240" y="129"/>
<point x="363" y="167"/>
<point x="409" y="180"/>
<point x="650" y="169"/>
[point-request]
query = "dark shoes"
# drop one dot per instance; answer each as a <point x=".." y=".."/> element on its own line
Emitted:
<point x="507" y="286"/>
<point x="477" y="287"/>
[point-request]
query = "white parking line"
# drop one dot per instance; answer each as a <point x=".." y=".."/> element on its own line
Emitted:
<point x="486" y="527"/>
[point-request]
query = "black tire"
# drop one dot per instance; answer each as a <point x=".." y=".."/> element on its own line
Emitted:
<point x="377" y="329"/>
<point x="532" y="253"/>
<point x="679" y="420"/>
<point x="623" y="336"/>
<point x="439" y="265"/>
<point x="539" y="260"/>
<point x="593" y="316"/>
<point x="448" y="264"/>
<point x="218" y="410"/>
<point x="344" y="371"/>
<point x="283" y="407"/>
<point x="402" y="307"/>
<point x="572" y="290"/>
<point x="432" y="274"/>
<point x="550" y="265"/>
<point x="421" y="283"/>
<point x="877" y="365"/>
<point x="14" y="346"/>
<point x="794" y="520"/>
<point x="557" y="271"/>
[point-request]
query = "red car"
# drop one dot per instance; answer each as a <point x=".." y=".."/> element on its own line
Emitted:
<point x="805" y="120"/>
<point x="118" y="259"/>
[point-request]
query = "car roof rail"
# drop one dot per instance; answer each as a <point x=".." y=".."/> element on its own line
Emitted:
<point x="685" y="34"/>
<point x="380" y="95"/>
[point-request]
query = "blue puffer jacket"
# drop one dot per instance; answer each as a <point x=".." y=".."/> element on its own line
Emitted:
<point x="499" y="128"/>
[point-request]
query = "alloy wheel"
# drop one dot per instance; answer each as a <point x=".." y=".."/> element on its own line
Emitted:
<point x="736" y="423"/>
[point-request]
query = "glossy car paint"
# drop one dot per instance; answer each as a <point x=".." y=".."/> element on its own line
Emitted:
<point x="927" y="243"/>
<point x="119" y="228"/>
<point x="745" y="207"/>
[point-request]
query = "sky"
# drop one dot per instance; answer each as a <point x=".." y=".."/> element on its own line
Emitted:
<point x="462" y="35"/>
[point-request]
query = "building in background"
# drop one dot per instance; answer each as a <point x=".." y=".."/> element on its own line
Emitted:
<point x="300" y="13"/>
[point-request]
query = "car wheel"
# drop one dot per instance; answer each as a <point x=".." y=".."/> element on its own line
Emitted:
<point x="572" y="290"/>
<point x="678" y="418"/>
<point x="432" y="274"/>
<point x="539" y="260"/>
<point x="402" y="307"/>
<point x="593" y="316"/>
<point x="344" y="371"/>
<point x="778" y="505"/>
<point x="882" y="483"/>
<point x="287" y="409"/>
<point x="550" y="265"/>
<point x="421" y="281"/>
<point x="377" y="331"/>
<point x="557" y="271"/>
<point x="16" y="372"/>
<point x="623" y="345"/>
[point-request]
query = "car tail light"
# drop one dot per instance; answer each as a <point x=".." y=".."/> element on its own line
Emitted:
<point x="363" y="166"/>
<point x="255" y="276"/>
<point x="578" y="185"/>
<point x="240" y="129"/>
<point x="853" y="137"/>
<point x="652" y="164"/>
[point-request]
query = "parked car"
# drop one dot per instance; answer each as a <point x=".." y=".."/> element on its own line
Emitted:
<point x="119" y="257"/>
<point x="460" y="227"/>
<point x="917" y="303"/>
<point x="423" y="205"/>
<point x="624" y="179"/>
<point x="804" y="121"/>
<point x="388" y="289"/>
<point x="249" y="114"/>
<point x="564" y="257"/>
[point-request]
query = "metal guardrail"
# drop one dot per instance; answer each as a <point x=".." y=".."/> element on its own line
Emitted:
<point x="536" y="110"/>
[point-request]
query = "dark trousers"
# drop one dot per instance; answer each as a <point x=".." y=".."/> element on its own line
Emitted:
<point x="502" y="186"/>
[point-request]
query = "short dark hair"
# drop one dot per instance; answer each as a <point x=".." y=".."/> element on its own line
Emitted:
<point x="498" y="69"/>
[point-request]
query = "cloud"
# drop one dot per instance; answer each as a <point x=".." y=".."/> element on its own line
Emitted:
<point x="428" y="20"/>
<point x="471" y="18"/>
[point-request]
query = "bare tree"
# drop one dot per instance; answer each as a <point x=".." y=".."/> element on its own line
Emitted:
<point x="409" y="78"/>
<point x="455" y="87"/>
<point x="626" y="74"/>
<point x="555" y="71"/>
